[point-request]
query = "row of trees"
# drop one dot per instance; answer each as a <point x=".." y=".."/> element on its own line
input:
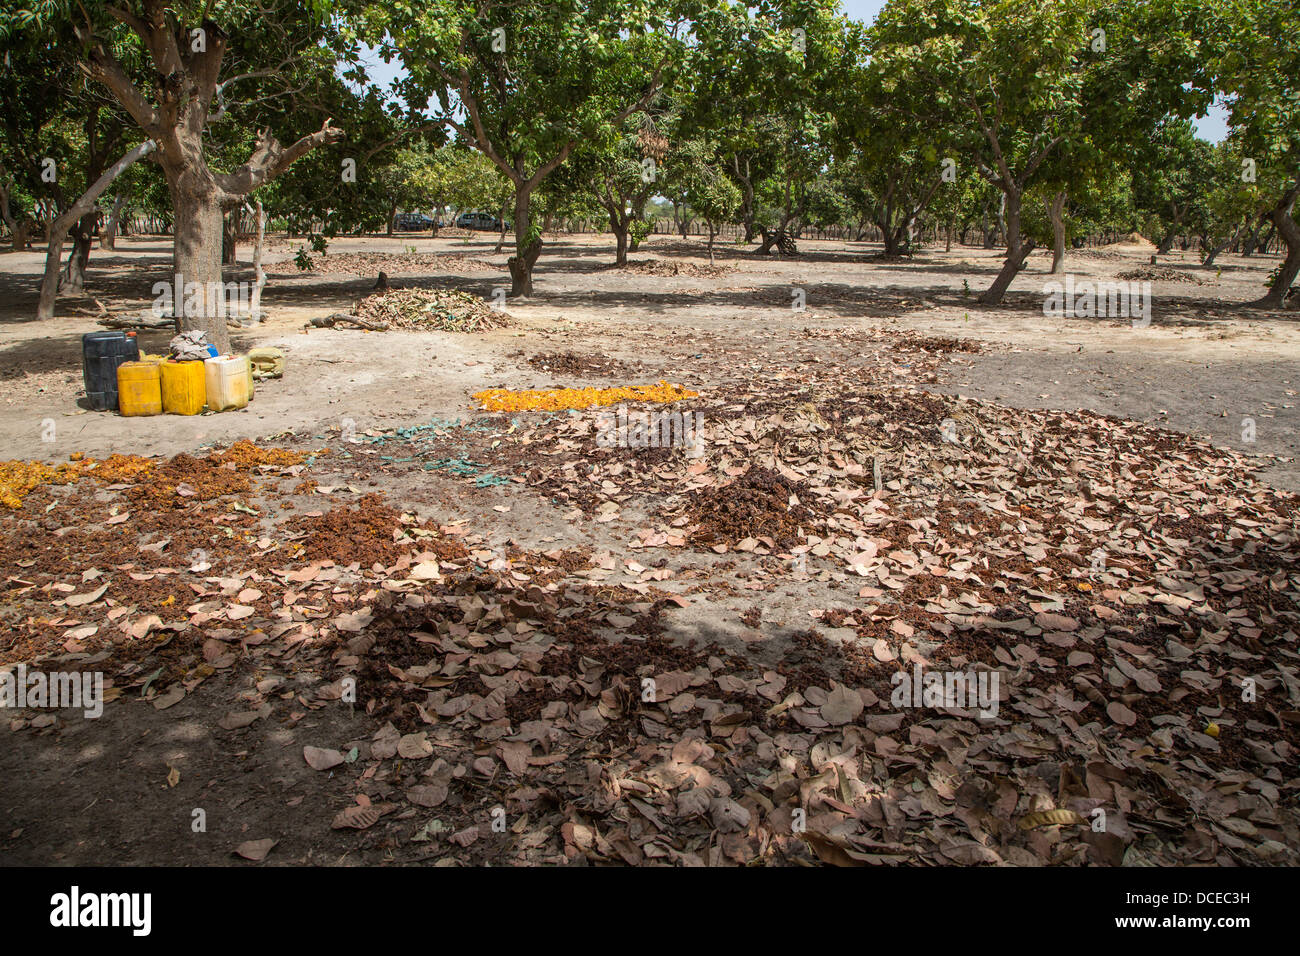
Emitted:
<point x="1027" y="121"/>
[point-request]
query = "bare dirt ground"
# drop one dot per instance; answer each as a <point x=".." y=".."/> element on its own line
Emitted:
<point x="565" y="577"/>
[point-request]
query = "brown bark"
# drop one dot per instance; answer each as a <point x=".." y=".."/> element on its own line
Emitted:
<point x="1056" y="213"/>
<point x="61" y="224"/>
<point x="526" y="250"/>
<point x="1017" y="251"/>
<point x="1282" y="217"/>
<point x="73" y="277"/>
<point x="108" y="237"/>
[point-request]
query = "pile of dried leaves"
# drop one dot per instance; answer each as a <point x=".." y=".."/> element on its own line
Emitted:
<point x="666" y="267"/>
<point x="1159" y="274"/>
<point x="583" y="366"/>
<point x="372" y="263"/>
<point x="760" y="504"/>
<point x="428" y="310"/>
<point x="1136" y="592"/>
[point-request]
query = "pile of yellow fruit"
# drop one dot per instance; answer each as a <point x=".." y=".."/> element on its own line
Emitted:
<point x="18" y="478"/>
<point x="562" y="399"/>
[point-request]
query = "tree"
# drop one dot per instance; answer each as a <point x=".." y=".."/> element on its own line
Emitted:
<point x="1171" y="176"/>
<point x="1256" y="63"/>
<point x="526" y="82"/>
<point x="699" y="177"/>
<point x="182" y="92"/>
<point x="899" y="142"/>
<point x="1014" y="68"/>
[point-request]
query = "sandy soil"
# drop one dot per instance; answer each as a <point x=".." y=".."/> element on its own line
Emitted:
<point x="1200" y="368"/>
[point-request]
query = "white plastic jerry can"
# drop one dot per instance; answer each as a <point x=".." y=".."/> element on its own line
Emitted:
<point x="227" y="381"/>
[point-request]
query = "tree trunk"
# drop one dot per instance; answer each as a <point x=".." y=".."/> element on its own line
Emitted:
<point x="59" y="226"/>
<point x="197" y="297"/>
<point x="392" y="216"/>
<point x="526" y="249"/>
<point x="108" y="238"/>
<point x="73" y="278"/>
<point x="891" y="239"/>
<point x="1056" y="212"/>
<point x="618" y="225"/>
<point x="1285" y="224"/>
<point x="1250" y="242"/>
<point x="255" y="302"/>
<point x="229" y="238"/>
<point x="1017" y="251"/>
<point x="712" y="232"/>
<point x="501" y="239"/>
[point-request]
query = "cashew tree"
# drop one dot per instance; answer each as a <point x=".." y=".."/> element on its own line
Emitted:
<point x="526" y="82"/>
<point x="201" y="63"/>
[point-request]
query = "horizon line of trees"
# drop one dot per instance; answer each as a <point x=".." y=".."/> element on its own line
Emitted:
<point x="1028" y="125"/>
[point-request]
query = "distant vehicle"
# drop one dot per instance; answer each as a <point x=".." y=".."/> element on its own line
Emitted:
<point x="479" y="220"/>
<point x="414" y="222"/>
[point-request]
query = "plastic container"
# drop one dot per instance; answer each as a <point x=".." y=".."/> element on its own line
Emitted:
<point x="226" y="382"/>
<point x="101" y="354"/>
<point x="184" y="387"/>
<point x="248" y="365"/>
<point x="139" y="388"/>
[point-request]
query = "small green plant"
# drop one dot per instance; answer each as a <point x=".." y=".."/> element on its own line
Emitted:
<point x="965" y="290"/>
<point x="302" y="260"/>
<point x="319" y="244"/>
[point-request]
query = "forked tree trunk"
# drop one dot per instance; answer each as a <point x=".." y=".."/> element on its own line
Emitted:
<point x="73" y="278"/>
<point x="58" y="229"/>
<point x="618" y="225"/>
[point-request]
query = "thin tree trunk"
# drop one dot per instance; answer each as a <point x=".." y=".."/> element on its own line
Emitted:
<point x="255" y="302"/>
<point x="229" y="253"/>
<point x="1056" y="212"/>
<point x="61" y="225"/>
<point x="526" y="250"/>
<point x="1285" y="224"/>
<point x="108" y="238"/>
<point x="501" y="239"/>
<point x="1017" y="252"/>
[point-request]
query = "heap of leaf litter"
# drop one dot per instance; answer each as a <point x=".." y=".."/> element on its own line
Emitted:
<point x="430" y="310"/>
<point x="1124" y="581"/>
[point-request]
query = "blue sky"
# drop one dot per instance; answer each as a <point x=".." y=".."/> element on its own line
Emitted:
<point x="1212" y="127"/>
